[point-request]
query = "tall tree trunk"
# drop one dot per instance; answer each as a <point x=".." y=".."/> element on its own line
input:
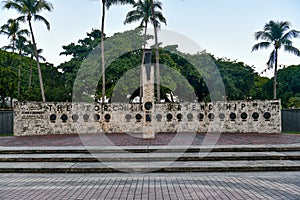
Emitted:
<point x="275" y="74"/>
<point x="19" y="75"/>
<point x="14" y="43"/>
<point x="30" y="77"/>
<point x="143" y="61"/>
<point x="37" y="62"/>
<point x="102" y="51"/>
<point x="156" y="53"/>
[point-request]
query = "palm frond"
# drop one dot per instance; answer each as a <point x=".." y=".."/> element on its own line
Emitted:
<point x="160" y="17"/>
<point x="284" y="26"/>
<point x="23" y="32"/>
<point x="41" y="18"/>
<point x="8" y="47"/>
<point x="12" y="4"/>
<point x="43" y="5"/>
<point x="263" y="35"/>
<point x="269" y="26"/>
<point x="271" y="61"/>
<point x="5" y="33"/>
<point x="158" y="4"/>
<point x="109" y="3"/>
<point x="133" y="16"/>
<point x="291" y="34"/>
<point x="22" y="18"/>
<point x="292" y="50"/>
<point x="261" y="45"/>
<point x="5" y="26"/>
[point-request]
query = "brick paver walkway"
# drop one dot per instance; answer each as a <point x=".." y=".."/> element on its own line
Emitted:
<point x="151" y="186"/>
<point x="279" y="185"/>
<point x="122" y="139"/>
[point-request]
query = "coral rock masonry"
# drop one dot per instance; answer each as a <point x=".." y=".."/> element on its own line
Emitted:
<point x="37" y="118"/>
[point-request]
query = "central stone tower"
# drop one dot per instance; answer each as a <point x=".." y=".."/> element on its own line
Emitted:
<point x="148" y="96"/>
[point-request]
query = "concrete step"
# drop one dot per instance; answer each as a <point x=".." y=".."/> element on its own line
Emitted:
<point x="146" y="157"/>
<point x="193" y="166"/>
<point x="148" y="149"/>
<point x="149" y="159"/>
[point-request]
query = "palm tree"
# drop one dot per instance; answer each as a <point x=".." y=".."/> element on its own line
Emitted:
<point x="279" y="35"/>
<point x="156" y="53"/>
<point x="29" y="51"/>
<point x="106" y="4"/>
<point x="29" y="9"/>
<point x="19" y="43"/>
<point x="13" y="31"/>
<point x="21" y="46"/>
<point x="143" y="12"/>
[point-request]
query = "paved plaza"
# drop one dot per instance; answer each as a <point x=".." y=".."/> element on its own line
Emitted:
<point x="122" y="139"/>
<point x="200" y="185"/>
<point x="277" y="185"/>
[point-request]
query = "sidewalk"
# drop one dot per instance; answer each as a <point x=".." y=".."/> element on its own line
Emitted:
<point x="229" y="186"/>
<point x="214" y="185"/>
<point x="122" y="139"/>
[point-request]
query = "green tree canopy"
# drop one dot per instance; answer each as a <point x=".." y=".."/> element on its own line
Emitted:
<point x="288" y="84"/>
<point x="240" y="80"/>
<point x="55" y="88"/>
<point x="8" y="76"/>
<point x="30" y="9"/>
<point x="13" y="31"/>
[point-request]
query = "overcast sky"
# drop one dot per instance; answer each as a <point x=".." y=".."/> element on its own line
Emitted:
<point x="225" y="28"/>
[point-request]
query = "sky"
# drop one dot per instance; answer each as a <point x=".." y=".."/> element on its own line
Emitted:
<point x="224" y="28"/>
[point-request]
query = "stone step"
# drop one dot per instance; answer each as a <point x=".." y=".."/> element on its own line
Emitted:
<point x="138" y="159"/>
<point x="147" y="157"/>
<point x="148" y="149"/>
<point x="106" y="167"/>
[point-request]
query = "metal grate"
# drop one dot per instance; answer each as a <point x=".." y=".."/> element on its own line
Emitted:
<point x="6" y="122"/>
<point x="290" y="120"/>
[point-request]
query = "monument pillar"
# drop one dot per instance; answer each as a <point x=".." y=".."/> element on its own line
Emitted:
<point x="148" y="96"/>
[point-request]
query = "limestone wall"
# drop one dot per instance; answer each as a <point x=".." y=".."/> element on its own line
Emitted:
<point x="36" y="118"/>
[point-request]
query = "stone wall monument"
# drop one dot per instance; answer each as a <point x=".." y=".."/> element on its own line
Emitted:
<point x="148" y="116"/>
